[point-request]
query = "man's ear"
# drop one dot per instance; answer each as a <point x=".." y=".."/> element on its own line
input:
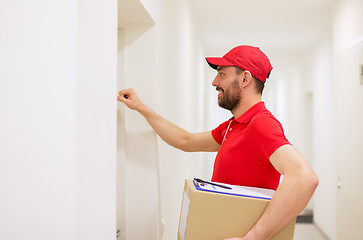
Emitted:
<point x="246" y="78"/>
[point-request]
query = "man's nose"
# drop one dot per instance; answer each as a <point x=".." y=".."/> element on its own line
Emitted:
<point x="215" y="82"/>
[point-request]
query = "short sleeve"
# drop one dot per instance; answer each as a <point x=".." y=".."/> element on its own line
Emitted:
<point x="219" y="132"/>
<point x="268" y="133"/>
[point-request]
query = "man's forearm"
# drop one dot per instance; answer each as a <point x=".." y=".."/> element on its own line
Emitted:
<point x="169" y="132"/>
<point x="289" y="200"/>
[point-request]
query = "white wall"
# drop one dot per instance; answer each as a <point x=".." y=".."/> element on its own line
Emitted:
<point x="57" y="124"/>
<point x="174" y="92"/>
<point x="141" y="165"/>
<point x="348" y="115"/>
<point x="38" y="120"/>
<point x="321" y="76"/>
<point x="138" y="214"/>
<point x="177" y="95"/>
<point x="157" y="60"/>
<point x="121" y="143"/>
<point x="96" y="119"/>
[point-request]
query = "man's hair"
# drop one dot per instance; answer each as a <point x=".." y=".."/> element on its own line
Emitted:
<point x="259" y="84"/>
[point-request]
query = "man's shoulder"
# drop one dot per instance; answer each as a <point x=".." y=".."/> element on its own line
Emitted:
<point x="265" y="121"/>
<point x="262" y="116"/>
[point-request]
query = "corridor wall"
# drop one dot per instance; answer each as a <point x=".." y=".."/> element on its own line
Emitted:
<point x="330" y="71"/>
<point x="138" y="186"/>
<point x="159" y="63"/>
<point x="348" y="116"/>
<point x="58" y="119"/>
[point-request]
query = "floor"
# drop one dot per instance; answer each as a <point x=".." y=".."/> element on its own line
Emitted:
<point x="308" y="231"/>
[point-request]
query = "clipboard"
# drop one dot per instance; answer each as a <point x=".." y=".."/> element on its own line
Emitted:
<point x="242" y="191"/>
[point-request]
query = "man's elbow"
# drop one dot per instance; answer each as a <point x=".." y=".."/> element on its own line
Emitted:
<point x="315" y="181"/>
<point x="312" y="180"/>
<point x="307" y="180"/>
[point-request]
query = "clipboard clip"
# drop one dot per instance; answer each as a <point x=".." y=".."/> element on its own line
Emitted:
<point x="202" y="183"/>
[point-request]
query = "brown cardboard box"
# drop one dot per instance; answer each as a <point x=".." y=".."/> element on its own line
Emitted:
<point x="216" y="216"/>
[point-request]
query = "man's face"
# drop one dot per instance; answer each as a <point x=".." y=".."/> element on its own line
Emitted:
<point x="227" y="84"/>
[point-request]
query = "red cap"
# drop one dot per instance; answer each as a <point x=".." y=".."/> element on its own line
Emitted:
<point x="248" y="58"/>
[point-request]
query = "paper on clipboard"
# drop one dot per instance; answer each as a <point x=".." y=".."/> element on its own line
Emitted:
<point x="243" y="191"/>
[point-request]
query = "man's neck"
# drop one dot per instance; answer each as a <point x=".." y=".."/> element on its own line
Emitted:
<point x="244" y="106"/>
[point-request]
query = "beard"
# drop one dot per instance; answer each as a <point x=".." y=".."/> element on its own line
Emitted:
<point x="231" y="97"/>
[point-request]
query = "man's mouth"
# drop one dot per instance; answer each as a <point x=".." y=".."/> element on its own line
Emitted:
<point x="220" y="91"/>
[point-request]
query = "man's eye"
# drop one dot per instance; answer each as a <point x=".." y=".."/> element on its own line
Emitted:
<point x="222" y="74"/>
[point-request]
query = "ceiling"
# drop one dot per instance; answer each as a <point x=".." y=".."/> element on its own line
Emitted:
<point x="280" y="26"/>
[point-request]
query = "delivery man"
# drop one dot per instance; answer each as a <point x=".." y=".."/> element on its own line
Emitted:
<point x="252" y="148"/>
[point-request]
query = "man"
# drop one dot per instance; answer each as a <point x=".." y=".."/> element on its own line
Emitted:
<point x="252" y="148"/>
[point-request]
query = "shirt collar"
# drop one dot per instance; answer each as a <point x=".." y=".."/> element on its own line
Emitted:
<point x="253" y="111"/>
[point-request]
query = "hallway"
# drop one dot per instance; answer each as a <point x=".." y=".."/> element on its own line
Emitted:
<point x="311" y="49"/>
<point x="76" y="165"/>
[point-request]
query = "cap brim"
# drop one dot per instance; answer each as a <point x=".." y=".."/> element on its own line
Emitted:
<point x="214" y="62"/>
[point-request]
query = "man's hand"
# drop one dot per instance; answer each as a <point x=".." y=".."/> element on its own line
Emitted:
<point x="247" y="237"/>
<point x="251" y="235"/>
<point x="130" y="99"/>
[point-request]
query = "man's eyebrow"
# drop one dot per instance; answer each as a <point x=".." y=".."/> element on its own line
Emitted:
<point x="219" y="68"/>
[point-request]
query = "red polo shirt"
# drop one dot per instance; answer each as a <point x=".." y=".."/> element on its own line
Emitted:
<point x="243" y="158"/>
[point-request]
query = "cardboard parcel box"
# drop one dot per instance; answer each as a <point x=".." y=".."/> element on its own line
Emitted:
<point x="210" y="212"/>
